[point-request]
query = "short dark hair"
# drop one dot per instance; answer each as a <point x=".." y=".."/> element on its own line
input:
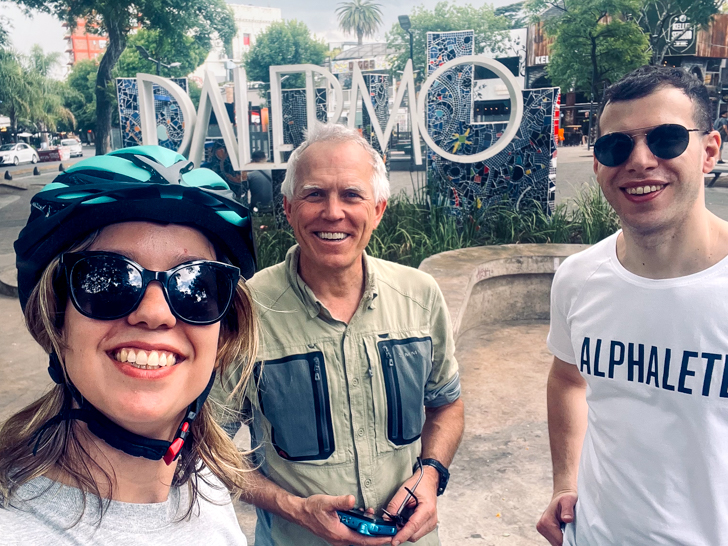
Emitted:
<point x="258" y="155"/>
<point x="647" y="79"/>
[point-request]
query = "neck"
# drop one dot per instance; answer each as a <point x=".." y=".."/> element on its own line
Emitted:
<point x="695" y="244"/>
<point x="134" y="479"/>
<point x="340" y="290"/>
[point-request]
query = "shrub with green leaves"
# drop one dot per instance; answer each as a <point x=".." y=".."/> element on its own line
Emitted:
<point x="414" y="228"/>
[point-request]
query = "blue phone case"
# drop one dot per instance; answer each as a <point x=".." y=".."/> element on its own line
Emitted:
<point x="367" y="525"/>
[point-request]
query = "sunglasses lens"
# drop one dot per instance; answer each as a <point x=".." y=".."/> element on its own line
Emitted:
<point x="613" y="149"/>
<point x="105" y="287"/>
<point x="668" y="141"/>
<point x="200" y="293"/>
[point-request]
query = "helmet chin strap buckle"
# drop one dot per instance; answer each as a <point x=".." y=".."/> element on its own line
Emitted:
<point x="176" y="446"/>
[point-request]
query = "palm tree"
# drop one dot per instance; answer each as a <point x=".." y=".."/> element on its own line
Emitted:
<point x="361" y="16"/>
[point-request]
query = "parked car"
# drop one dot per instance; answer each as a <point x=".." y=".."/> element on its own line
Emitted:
<point x="17" y="153"/>
<point x="75" y="146"/>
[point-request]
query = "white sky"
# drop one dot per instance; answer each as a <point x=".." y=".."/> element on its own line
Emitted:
<point x="319" y="15"/>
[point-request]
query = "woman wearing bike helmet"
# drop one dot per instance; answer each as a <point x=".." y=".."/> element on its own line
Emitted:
<point x="130" y="274"/>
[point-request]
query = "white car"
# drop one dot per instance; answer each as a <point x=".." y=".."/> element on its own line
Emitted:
<point x="74" y="145"/>
<point x="17" y="153"/>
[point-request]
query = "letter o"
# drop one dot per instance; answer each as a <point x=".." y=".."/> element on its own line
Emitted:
<point x="514" y="122"/>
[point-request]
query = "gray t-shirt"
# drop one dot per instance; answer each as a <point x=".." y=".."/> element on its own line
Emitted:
<point x="44" y="511"/>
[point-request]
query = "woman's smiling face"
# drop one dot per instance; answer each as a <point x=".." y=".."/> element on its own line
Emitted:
<point x="145" y="400"/>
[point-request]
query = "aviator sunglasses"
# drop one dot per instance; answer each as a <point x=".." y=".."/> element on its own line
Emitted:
<point x="109" y="286"/>
<point x="666" y="141"/>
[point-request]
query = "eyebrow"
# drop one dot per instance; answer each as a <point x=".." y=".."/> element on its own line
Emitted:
<point x="315" y="187"/>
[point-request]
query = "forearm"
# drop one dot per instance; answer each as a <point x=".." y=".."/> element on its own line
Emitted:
<point x="567" y="417"/>
<point x="264" y="494"/>
<point x="443" y="431"/>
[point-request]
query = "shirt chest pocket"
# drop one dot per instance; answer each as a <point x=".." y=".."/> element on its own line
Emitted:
<point x="406" y="365"/>
<point x="294" y="396"/>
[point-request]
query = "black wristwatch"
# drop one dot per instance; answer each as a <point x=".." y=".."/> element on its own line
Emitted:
<point x="441" y="470"/>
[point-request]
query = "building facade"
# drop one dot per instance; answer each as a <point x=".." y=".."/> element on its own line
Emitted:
<point x="82" y="45"/>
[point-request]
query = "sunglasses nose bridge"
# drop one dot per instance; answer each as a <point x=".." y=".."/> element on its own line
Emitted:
<point x="154" y="278"/>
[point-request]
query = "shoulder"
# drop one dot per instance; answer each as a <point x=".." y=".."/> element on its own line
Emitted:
<point x="577" y="269"/>
<point x="268" y="284"/>
<point x="404" y="281"/>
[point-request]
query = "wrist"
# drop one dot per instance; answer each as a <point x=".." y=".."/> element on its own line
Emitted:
<point x="291" y="507"/>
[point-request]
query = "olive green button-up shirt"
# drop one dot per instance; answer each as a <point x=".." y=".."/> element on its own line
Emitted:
<point x="338" y="408"/>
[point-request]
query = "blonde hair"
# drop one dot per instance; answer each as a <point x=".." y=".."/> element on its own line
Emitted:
<point x="60" y="447"/>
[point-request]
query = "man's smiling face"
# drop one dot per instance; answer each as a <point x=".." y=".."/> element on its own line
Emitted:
<point x="650" y="193"/>
<point x="333" y="211"/>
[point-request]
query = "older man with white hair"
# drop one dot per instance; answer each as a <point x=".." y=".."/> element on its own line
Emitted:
<point x="357" y="380"/>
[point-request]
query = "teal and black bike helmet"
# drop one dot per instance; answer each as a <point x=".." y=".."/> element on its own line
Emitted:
<point x="139" y="183"/>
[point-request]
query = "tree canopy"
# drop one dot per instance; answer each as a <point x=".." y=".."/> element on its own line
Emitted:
<point x="200" y="19"/>
<point x="655" y="17"/>
<point x="30" y="97"/>
<point x="189" y="51"/>
<point x="596" y="42"/>
<point x="362" y="17"/>
<point x="444" y="17"/>
<point x="283" y="42"/>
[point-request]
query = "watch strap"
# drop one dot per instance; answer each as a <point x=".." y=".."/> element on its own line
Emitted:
<point x="441" y="470"/>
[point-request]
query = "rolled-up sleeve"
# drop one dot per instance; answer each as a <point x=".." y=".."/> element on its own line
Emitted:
<point x="443" y="385"/>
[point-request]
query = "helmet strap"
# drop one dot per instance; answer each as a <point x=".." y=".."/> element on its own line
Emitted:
<point x="115" y="435"/>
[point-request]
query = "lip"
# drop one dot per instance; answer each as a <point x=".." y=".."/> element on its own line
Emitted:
<point x="330" y="241"/>
<point x="149" y="347"/>
<point x="137" y="373"/>
<point x="634" y="198"/>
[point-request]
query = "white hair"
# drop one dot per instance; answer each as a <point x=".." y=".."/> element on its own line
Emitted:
<point x="334" y="132"/>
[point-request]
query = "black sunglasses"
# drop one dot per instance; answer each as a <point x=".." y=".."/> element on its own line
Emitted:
<point x="666" y="141"/>
<point x="108" y="286"/>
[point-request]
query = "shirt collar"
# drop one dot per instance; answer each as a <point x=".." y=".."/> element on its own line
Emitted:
<point x="313" y="305"/>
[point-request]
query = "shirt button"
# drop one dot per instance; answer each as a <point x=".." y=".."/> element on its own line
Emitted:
<point x="355" y="381"/>
<point x="361" y="432"/>
<point x="368" y="483"/>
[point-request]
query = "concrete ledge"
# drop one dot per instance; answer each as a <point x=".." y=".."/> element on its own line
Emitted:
<point x="489" y="284"/>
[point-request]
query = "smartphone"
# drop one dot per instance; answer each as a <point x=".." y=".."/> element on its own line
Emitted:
<point x="366" y="524"/>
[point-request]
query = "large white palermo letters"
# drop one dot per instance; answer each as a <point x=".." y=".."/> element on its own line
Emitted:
<point x="195" y="124"/>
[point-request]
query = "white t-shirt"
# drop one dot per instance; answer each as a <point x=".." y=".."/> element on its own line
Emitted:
<point x="654" y="465"/>
<point x="45" y="512"/>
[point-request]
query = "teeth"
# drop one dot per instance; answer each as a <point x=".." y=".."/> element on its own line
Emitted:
<point x="145" y="361"/>
<point x="641" y="190"/>
<point x="153" y="360"/>
<point x="331" y="236"/>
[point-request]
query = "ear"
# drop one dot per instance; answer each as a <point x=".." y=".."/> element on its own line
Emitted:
<point x="287" y="209"/>
<point x="595" y="165"/>
<point x="379" y="212"/>
<point x="711" y="145"/>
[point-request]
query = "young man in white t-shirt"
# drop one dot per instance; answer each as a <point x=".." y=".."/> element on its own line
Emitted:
<point x="638" y="391"/>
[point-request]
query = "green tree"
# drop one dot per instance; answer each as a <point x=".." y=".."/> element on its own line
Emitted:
<point x="444" y="17"/>
<point x="79" y="95"/>
<point x="116" y="19"/>
<point x="30" y="97"/>
<point x="515" y="13"/>
<point x="47" y="107"/>
<point x="596" y="42"/>
<point x="656" y="16"/>
<point x="189" y="51"/>
<point x="283" y="42"/>
<point x="362" y="17"/>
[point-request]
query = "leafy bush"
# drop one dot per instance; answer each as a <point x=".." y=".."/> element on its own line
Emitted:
<point x="414" y="228"/>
